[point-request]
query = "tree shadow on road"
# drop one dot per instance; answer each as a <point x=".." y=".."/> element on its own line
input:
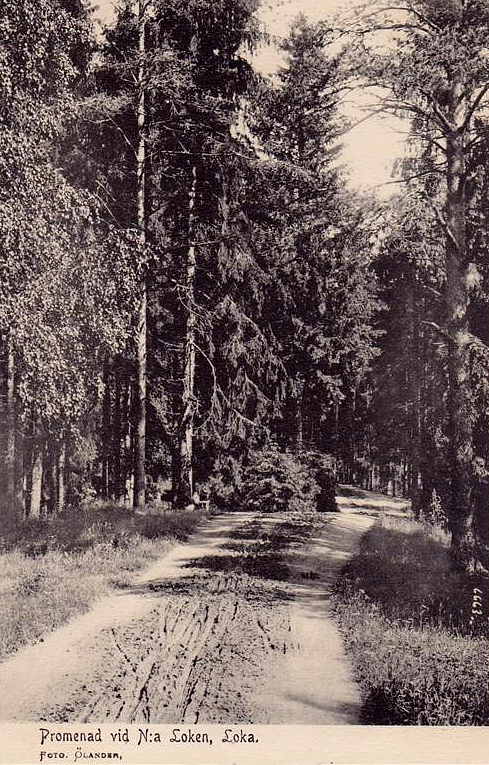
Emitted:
<point x="263" y="565"/>
<point x="350" y="491"/>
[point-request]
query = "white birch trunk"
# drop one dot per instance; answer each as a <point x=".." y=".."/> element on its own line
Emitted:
<point x="140" y="436"/>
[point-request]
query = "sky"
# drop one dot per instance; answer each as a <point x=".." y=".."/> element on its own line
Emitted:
<point x="368" y="150"/>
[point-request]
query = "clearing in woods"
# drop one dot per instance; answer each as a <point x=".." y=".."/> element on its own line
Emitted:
<point x="233" y="626"/>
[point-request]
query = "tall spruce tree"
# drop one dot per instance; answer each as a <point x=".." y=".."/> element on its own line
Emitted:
<point x="215" y="332"/>
<point x="325" y="286"/>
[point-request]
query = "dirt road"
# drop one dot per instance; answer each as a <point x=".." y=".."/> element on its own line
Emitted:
<point x="233" y="626"/>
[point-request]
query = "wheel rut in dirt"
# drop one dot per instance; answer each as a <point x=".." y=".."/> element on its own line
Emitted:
<point x="197" y="657"/>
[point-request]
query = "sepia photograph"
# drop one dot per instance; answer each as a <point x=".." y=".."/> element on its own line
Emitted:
<point x="244" y="374"/>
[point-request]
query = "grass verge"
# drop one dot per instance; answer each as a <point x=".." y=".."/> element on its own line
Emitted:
<point x="50" y="572"/>
<point x="405" y="614"/>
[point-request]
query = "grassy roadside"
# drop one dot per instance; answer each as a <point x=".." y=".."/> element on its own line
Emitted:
<point x="50" y="572"/>
<point x="404" y="613"/>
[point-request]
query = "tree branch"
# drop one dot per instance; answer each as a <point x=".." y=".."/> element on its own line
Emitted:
<point x="442" y="222"/>
<point x="472" y="108"/>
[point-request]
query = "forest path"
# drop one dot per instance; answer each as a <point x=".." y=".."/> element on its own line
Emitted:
<point x="233" y="626"/>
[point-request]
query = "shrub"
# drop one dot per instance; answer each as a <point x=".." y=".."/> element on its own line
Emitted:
<point x="323" y="469"/>
<point x="225" y="482"/>
<point x="276" y="482"/>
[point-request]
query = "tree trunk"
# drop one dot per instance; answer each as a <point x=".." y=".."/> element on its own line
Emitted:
<point x="460" y="447"/>
<point x="117" y="445"/>
<point x="19" y="474"/>
<point x="52" y="480"/>
<point x="176" y="457"/>
<point x="336" y="435"/>
<point x="352" y="438"/>
<point x="128" y="469"/>
<point x="384" y="478"/>
<point x="414" y="386"/>
<point x="404" y="478"/>
<point x="35" y="482"/>
<point x="10" y="431"/>
<point x="68" y="474"/>
<point x="140" y="440"/>
<point x="415" y="457"/>
<point x="186" y="487"/>
<point x="375" y="479"/>
<point x="298" y="434"/>
<point x="61" y="476"/>
<point x="177" y="376"/>
<point x="106" y="429"/>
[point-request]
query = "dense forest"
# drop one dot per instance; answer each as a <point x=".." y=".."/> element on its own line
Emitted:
<point x="189" y="283"/>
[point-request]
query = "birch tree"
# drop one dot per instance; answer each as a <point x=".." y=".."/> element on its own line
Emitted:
<point x="140" y="443"/>
<point x="64" y="272"/>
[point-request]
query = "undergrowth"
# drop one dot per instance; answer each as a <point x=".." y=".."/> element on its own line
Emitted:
<point x="405" y="613"/>
<point x="52" y="571"/>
